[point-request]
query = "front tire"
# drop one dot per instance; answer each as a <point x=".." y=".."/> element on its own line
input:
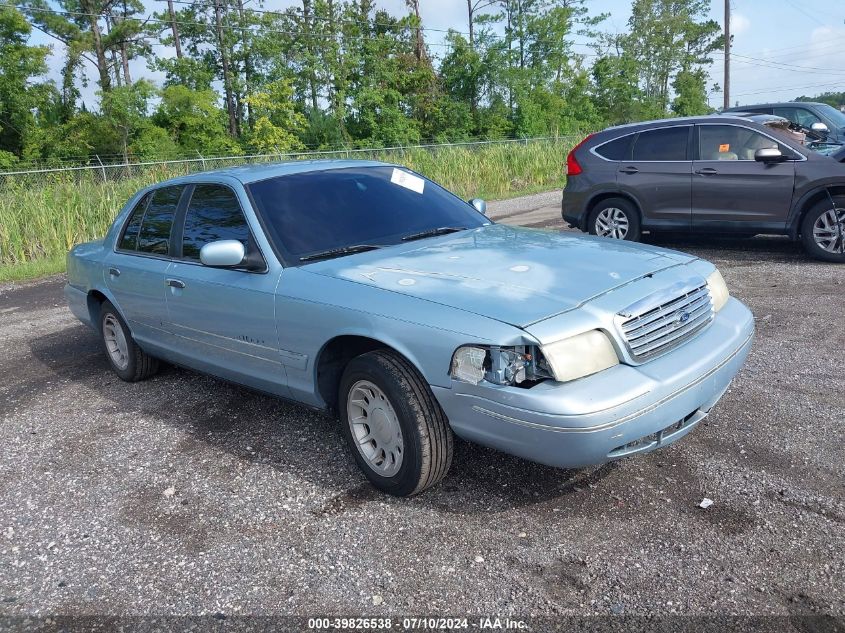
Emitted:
<point x="126" y="358"/>
<point x="823" y="230"/>
<point x="395" y="427"/>
<point x="615" y="218"/>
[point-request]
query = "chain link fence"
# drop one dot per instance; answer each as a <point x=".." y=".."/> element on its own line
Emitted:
<point x="97" y="170"/>
<point x="43" y="212"/>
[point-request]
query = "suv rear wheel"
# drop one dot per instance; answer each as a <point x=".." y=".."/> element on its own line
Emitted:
<point x="823" y="230"/>
<point x="615" y="218"/>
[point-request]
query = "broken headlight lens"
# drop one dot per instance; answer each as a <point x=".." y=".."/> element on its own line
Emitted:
<point x="581" y="355"/>
<point x="498" y="365"/>
<point x="718" y="290"/>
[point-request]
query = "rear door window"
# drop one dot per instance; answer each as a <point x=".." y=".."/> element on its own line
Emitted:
<point x="129" y="239"/>
<point x="213" y="214"/>
<point x="619" y="149"/>
<point x="665" y="144"/>
<point x="154" y="235"/>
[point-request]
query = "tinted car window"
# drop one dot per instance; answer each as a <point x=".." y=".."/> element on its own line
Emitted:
<point x="732" y="142"/>
<point x="154" y="236"/>
<point x="129" y="239"/>
<point x="667" y="144"/>
<point x="757" y="110"/>
<point x="620" y="149"/>
<point x="836" y="116"/>
<point x="801" y="116"/>
<point x="312" y="212"/>
<point x="213" y="214"/>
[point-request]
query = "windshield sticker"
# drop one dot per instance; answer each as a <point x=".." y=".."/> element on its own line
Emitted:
<point x="724" y="148"/>
<point x="409" y="181"/>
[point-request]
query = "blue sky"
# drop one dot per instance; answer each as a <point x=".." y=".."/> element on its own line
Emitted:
<point x="782" y="48"/>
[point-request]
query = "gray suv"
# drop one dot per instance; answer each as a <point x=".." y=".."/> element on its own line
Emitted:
<point x="706" y="174"/>
<point x="824" y="120"/>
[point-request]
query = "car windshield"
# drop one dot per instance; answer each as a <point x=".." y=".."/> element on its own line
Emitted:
<point x="837" y="116"/>
<point x="336" y="212"/>
<point x="827" y="149"/>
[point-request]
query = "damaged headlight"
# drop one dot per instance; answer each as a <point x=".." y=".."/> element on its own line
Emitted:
<point x="499" y="365"/>
<point x="718" y="290"/>
<point x="580" y="355"/>
<point x="564" y="360"/>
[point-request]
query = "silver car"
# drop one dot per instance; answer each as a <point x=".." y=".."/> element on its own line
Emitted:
<point x="368" y="291"/>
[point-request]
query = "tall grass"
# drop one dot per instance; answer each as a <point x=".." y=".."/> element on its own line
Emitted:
<point x="43" y="216"/>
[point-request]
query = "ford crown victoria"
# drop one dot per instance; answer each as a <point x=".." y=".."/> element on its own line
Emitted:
<point x="366" y="290"/>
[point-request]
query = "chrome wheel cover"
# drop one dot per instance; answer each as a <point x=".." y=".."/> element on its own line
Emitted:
<point x="612" y="222"/>
<point x="829" y="231"/>
<point x="116" y="344"/>
<point x="375" y="428"/>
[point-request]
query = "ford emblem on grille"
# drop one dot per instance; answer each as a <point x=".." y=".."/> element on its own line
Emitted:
<point x="657" y="326"/>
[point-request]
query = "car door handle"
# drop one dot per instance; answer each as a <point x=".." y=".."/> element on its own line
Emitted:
<point x="175" y="283"/>
<point x="629" y="170"/>
<point x="114" y="272"/>
<point x="706" y="171"/>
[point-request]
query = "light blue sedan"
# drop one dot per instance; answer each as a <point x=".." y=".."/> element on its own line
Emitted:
<point x="366" y="290"/>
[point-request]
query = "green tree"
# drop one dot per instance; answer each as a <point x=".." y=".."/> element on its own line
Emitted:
<point x="690" y="93"/>
<point x="20" y="94"/>
<point x="665" y="38"/>
<point x="194" y="121"/>
<point x="125" y="111"/>
<point x="277" y="122"/>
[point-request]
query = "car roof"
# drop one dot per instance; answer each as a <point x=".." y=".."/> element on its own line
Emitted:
<point x="253" y="173"/>
<point x="773" y="105"/>
<point x="688" y="120"/>
<point x="753" y="116"/>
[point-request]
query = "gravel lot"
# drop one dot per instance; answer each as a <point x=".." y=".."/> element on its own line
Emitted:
<point x="186" y="495"/>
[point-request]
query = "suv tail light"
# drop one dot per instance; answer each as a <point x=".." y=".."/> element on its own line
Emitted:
<point x="573" y="167"/>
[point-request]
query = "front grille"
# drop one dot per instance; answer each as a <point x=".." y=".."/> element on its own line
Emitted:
<point x="661" y="328"/>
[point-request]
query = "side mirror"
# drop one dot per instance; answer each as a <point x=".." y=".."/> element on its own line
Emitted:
<point x="479" y="205"/>
<point x="769" y="155"/>
<point x="223" y="254"/>
<point x="820" y="128"/>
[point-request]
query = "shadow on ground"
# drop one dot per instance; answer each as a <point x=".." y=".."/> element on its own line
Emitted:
<point x="256" y="427"/>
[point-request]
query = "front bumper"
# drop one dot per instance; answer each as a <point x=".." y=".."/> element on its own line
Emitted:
<point x="619" y="412"/>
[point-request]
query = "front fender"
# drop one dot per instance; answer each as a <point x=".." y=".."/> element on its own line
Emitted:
<point x="818" y="192"/>
<point x="312" y="310"/>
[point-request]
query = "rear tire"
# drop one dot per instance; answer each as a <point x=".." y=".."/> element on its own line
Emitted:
<point x="823" y="230"/>
<point x="615" y="218"/>
<point x="126" y="358"/>
<point x="395" y="427"/>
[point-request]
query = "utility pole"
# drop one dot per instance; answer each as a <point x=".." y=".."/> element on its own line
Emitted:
<point x="727" y="89"/>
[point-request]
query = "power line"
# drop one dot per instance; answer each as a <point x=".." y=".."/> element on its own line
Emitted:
<point x="785" y="66"/>
<point x="812" y="17"/>
<point x="787" y="89"/>
<point x="823" y="44"/>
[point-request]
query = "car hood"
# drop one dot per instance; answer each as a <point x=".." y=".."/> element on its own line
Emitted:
<point x="515" y="275"/>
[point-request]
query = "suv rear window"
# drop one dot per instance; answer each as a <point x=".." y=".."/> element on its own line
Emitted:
<point x="665" y="144"/>
<point x="620" y="149"/>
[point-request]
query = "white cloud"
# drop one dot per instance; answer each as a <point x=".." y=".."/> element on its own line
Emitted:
<point x="739" y="23"/>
